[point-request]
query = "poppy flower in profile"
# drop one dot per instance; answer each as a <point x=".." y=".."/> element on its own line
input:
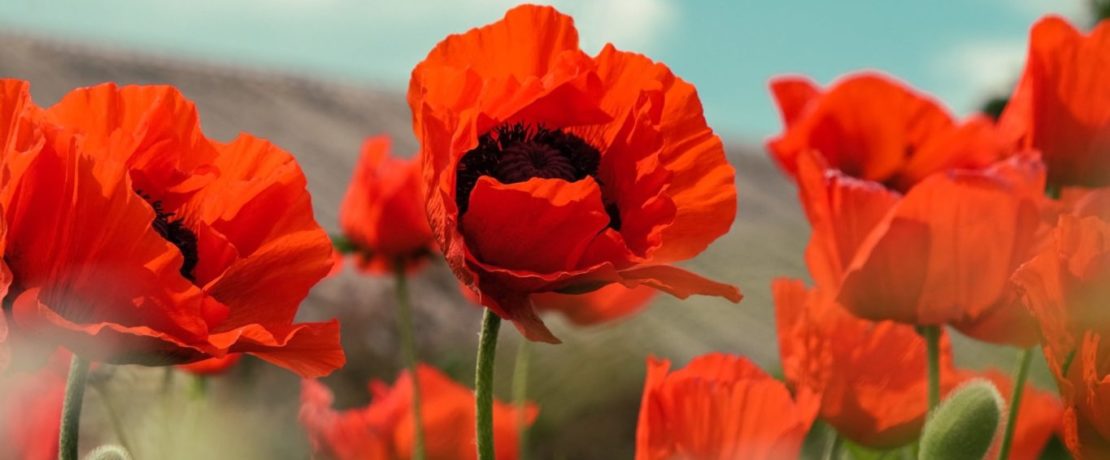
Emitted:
<point x="31" y="411"/>
<point x="1061" y="106"/>
<point x="212" y="366"/>
<point x="548" y="170"/>
<point x="871" y="375"/>
<point x="1067" y="287"/>
<point x="720" y="407"/>
<point x="136" y="240"/>
<point x="915" y="218"/>
<point x="382" y="215"/>
<point x="383" y="430"/>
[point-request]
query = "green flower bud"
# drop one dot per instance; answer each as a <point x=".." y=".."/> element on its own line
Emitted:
<point x="965" y="424"/>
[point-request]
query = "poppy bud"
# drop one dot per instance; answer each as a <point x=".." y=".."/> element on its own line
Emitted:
<point x="964" y="425"/>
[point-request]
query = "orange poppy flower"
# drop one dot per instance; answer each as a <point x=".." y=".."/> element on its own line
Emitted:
<point x="382" y="214"/>
<point x="383" y="430"/>
<point x="548" y="170"/>
<point x="212" y="366"/>
<point x="889" y="195"/>
<point x="1067" y="287"/>
<point x="871" y="375"/>
<point x="138" y="240"/>
<point x="1062" y="104"/>
<point x="720" y="407"/>
<point x="31" y="411"/>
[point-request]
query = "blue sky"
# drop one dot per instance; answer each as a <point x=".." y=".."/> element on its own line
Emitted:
<point x="958" y="50"/>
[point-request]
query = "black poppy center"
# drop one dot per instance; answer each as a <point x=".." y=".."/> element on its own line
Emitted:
<point x="175" y="231"/>
<point x="518" y="152"/>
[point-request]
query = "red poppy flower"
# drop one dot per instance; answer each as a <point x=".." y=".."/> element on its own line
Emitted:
<point x="911" y="222"/>
<point x="383" y="212"/>
<point x="31" y="412"/>
<point x="1062" y="105"/>
<point x="383" y="430"/>
<point x="871" y="375"/>
<point x="1067" y="287"/>
<point x="138" y="240"/>
<point x="212" y="366"/>
<point x="720" y="407"/>
<point x="548" y="170"/>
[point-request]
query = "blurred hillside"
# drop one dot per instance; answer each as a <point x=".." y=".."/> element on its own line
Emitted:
<point x="588" y="387"/>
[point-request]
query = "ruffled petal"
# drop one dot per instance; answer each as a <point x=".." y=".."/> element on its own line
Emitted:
<point x="152" y="129"/>
<point x="867" y="125"/>
<point x="1063" y="106"/>
<point x="260" y="206"/>
<point x="679" y="282"/>
<point x="702" y="183"/>
<point x="309" y="349"/>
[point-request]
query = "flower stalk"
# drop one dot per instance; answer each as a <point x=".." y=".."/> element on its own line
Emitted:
<point x="1015" y="402"/>
<point x="71" y="408"/>
<point x="408" y="353"/>
<point x="483" y="383"/>
<point x="932" y="348"/>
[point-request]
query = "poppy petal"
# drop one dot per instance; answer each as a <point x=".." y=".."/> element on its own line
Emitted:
<point x="702" y="183"/>
<point x="947" y="249"/>
<point x="259" y="204"/>
<point x="679" y="282"/>
<point x="842" y="211"/>
<point x="153" y="129"/>
<point x="1064" y="102"/>
<point x="309" y="349"/>
<point x="540" y="225"/>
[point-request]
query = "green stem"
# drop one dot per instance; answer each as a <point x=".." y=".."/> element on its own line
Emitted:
<point x="483" y="383"/>
<point x="1015" y="402"/>
<point x="833" y="452"/>
<point x="932" y="348"/>
<point x="71" y="408"/>
<point x="408" y="352"/>
<point x="520" y="396"/>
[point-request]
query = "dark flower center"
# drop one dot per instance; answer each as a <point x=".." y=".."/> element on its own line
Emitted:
<point x="177" y="234"/>
<point x="518" y="152"/>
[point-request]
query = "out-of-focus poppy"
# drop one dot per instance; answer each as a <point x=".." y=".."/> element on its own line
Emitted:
<point x="212" y="366"/>
<point x="548" y="170"/>
<point x="382" y="215"/>
<point x="871" y="375"/>
<point x="1067" y="287"/>
<point x="720" y="407"/>
<point x="31" y="411"/>
<point x="1061" y="106"/>
<point x="604" y="305"/>
<point x="383" y="430"/>
<point x="911" y="219"/>
<point x="138" y="240"/>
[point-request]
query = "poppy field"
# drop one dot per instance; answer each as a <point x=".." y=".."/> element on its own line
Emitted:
<point x="172" y="293"/>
